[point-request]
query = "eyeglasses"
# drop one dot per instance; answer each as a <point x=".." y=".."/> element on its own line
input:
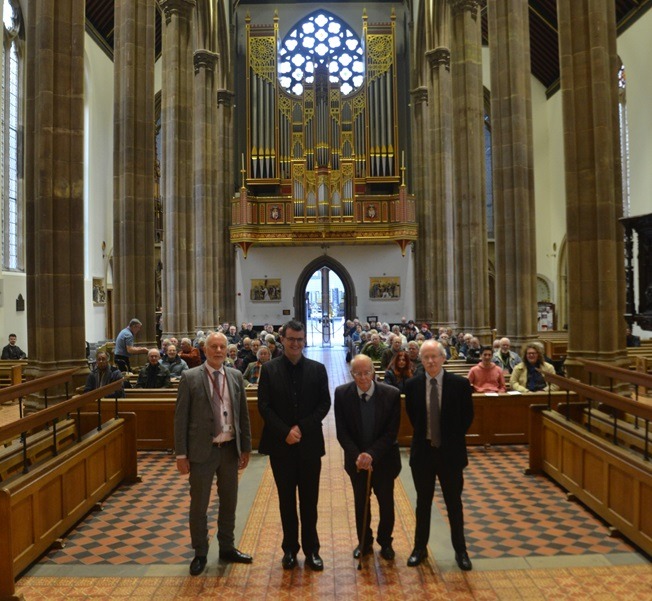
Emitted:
<point x="293" y="339"/>
<point x="362" y="374"/>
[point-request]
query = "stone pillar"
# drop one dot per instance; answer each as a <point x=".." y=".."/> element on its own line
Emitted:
<point x="513" y="172"/>
<point x="423" y="269"/>
<point x="471" y="287"/>
<point x="225" y="250"/>
<point x="54" y="187"/>
<point x="179" y="315"/>
<point x="206" y="194"/>
<point x="596" y="266"/>
<point x="134" y="156"/>
<point x="441" y="230"/>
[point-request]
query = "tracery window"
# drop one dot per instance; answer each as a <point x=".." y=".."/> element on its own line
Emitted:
<point x="12" y="137"/>
<point x="322" y="39"/>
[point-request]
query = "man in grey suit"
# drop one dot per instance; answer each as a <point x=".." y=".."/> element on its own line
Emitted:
<point x="212" y="437"/>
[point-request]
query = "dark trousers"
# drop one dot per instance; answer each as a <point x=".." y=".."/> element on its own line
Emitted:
<point x="383" y="488"/>
<point x="424" y="472"/>
<point x="122" y="363"/>
<point x="293" y="473"/>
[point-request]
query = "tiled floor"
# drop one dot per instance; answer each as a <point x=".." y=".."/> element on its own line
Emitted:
<point x="526" y="540"/>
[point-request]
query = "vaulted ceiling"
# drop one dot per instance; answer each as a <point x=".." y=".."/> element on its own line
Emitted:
<point x="543" y="30"/>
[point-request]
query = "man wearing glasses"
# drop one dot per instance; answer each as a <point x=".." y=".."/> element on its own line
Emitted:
<point x="293" y="399"/>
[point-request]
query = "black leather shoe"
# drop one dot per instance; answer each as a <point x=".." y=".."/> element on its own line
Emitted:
<point x="387" y="553"/>
<point x="235" y="556"/>
<point x="356" y="552"/>
<point x="289" y="560"/>
<point x="197" y="565"/>
<point x="463" y="561"/>
<point x="314" y="562"/>
<point x="416" y="557"/>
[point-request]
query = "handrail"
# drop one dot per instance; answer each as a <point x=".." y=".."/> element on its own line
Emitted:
<point x="45" y="416"/>
<point x="603" y="396"/>
<point x="20" y="390"/>
<point x="636" y="378"/>
<point x="635" y="408"/>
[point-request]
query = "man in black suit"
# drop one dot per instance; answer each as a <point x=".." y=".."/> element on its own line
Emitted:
<point x="367" y="416"/>
<point x="212" y="437"/>
<point x="293" y="399"/>
<point x="440" y="407"/>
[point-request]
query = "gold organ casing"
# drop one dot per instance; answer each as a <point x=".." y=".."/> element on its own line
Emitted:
<point x="322" y="166"/>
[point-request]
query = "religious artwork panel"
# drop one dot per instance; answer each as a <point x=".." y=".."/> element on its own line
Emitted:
<point x="385" y="288"/>
<point x="265" y="290"/>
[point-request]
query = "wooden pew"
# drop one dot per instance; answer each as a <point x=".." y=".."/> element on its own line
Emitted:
<point x="610" y="479"/>
<point x="555" y="344"/>
<point x="43" y="504"/>
<point x="40" y="446"/>
<point x="11" y="372"/>
<point x="500" y="419"/>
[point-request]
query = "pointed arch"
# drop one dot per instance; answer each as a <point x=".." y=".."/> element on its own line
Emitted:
<point x="350" y="298"/>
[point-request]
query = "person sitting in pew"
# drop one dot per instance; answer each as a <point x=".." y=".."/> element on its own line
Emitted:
<point x="413" y="354"/>
<point x="487" y="376"/>
<point x="527" y="375"/>
<point x="399" y="370"/>
<point x="175" y="364"/>
<point x="252" y="373"/>
<point x="154" y="374"/>
<point x="189" y="353"/>
<point x="473" y="351"/>
<point x="13" y="351"/>
<point x="103" y="374"/>
<point x="504" y="357"/>
<point x="252" y="355"/>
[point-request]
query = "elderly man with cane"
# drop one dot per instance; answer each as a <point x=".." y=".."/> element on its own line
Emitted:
<point x="367" y="417"/>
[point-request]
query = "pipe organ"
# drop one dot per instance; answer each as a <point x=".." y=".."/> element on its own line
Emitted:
<point x="321" y="160"/>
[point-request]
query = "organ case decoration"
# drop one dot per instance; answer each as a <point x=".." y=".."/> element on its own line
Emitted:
<point x="322" y="166"/>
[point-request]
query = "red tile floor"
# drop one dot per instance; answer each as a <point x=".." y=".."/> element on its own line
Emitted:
<point x="525" y="539"/>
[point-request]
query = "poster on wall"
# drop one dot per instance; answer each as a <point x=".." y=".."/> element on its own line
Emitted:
<point x="385" y="288"/>
<point x="265" y="290"/>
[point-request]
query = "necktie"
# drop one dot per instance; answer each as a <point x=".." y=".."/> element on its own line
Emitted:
<point x="363" y="396"/>
<point x="217" y="403"/>
<point x="435" y="415"/>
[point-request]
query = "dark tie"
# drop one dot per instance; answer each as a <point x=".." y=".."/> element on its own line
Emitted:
<point x="435" y="430"/>
<point x="217" y="404"/>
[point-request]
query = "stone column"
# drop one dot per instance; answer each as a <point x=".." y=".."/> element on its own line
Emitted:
<point x="596" y="266"/>
<point x="471" y="287"/>
<point x="423" y="269"/>
<point x="206" y="194"/>
<point x="513" y="172"/>
<point x="441" y="230"/>
<point x="179" y="316"/>
<point x="134" y="156"/>
<point x="54" y="187"/>
<point x="225" y="251"/>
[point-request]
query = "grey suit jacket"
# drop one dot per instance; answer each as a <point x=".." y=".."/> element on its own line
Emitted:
<point x="193" y="417"/>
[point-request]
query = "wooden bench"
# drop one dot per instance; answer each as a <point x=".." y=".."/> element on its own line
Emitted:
<point x="555" y="344"/>
<point x="610" y="479"/>
<point x="500" y="419"/>
<point x="11" y="372"/>
<point x="40" y="446"/>
<point x="43" y="504"/>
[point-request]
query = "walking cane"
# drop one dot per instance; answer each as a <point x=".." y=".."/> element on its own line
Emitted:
<point x="364" y="519"/>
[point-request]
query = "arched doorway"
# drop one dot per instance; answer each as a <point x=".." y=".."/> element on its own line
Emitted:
<point x="347" y="304"/>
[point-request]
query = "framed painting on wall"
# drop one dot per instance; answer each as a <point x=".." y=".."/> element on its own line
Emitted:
<point x="265" y="290"/>
<point x="385" y="288"/>
<point x="99" y="293"/>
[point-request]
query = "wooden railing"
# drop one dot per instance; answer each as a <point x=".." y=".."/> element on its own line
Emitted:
<point x="600" y="458"/>
<point x="50" y="496"/>
<point x="20" y="391"/>
<point x="11" y="372"/>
